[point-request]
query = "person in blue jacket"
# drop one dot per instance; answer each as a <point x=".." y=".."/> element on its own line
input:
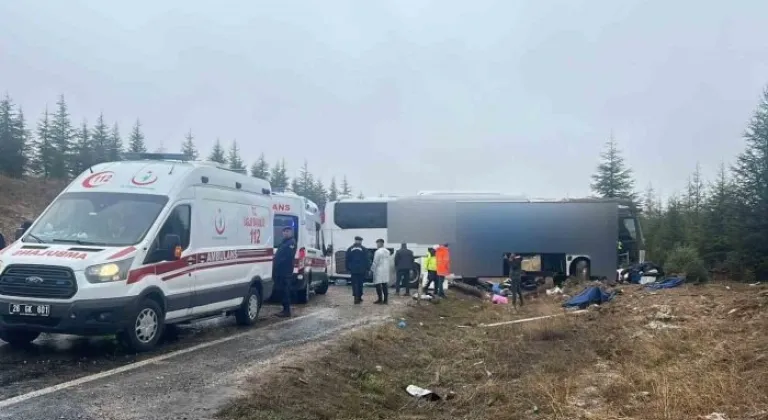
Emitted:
<point x="282" y="270"/>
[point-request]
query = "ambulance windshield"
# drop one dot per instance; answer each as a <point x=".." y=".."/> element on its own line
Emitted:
<point x="97" y="218"/>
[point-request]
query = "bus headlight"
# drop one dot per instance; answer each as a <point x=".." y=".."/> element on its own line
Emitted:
<point x="103" y="273"/>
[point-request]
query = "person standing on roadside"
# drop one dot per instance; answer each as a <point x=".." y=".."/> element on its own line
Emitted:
<point x="282" y="270"/>
<point x="516" y="278"/>
<point x="404" y="264"/>
<point x="357" y="264"/>
<point x="443" y="256"/>
<point x="381" y="272"/>
<point x="430" y="264"/>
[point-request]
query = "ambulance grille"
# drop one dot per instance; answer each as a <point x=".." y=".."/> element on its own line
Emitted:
<point x="38" y="281"/>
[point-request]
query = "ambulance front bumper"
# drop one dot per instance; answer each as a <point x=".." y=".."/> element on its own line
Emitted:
<point x="83" y="317"/>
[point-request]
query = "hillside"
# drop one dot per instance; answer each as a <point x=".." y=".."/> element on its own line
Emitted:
<point x="24" y="199"/>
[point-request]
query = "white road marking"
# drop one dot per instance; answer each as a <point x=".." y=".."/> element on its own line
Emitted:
<point x="90" y="378"/>
<point x="519" y="321"/>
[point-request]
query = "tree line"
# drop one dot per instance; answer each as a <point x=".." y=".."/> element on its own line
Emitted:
<point x="717" y="224"/>
<point x="59" y="149"/>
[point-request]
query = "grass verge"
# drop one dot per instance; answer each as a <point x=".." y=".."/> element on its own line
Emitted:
<point x="675" y="354"/>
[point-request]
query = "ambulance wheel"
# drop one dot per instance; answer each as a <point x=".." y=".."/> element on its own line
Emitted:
<point x="145" y="327"/>
<point x="323" y="288"/>
<point x="18" y="338"/>
<point x="248" y="312"/>
<point x="302" y="296"/>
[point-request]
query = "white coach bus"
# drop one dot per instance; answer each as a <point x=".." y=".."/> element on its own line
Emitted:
<point x="348" y="217"/>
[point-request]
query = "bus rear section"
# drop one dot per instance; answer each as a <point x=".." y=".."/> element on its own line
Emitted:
<point x="348" y="218"/>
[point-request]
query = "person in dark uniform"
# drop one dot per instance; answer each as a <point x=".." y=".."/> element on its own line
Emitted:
<point x="358" y="263"/>
<point x="516" y="278"/>
<point x="282" y="270"/>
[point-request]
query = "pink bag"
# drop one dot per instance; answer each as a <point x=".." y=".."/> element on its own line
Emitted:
<point x="498" y="299"/>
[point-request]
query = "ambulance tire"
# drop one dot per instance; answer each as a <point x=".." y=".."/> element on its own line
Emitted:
<point x="323" y="288"/>
<point x="302" y="296"/>
<point x="18" y="338"/>
<point x="248" y="312"/>
<point x="147" y="311"/>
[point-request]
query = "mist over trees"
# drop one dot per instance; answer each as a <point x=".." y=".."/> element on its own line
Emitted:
<point x="56" y="148"/>
<point x="718" y="225"/>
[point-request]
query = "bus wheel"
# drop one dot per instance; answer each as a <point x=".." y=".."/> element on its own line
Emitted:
<point x="415" y="276"/>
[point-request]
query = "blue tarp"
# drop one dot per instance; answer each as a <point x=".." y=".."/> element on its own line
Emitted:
<point x="668" y="283"/>
<point x="589" y="296"/>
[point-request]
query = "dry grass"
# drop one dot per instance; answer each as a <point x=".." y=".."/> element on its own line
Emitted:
<point x="674" y="354"/>
<point x="24" y="199"/>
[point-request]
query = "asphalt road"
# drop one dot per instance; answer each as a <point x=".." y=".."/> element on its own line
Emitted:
<point x="188" y="377"/>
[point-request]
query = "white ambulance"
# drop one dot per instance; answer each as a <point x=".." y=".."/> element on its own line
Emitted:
<point x="303" y="215"/>
<point x="132" y="246"/>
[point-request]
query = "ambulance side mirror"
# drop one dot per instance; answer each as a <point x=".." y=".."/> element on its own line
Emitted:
<point x="171" y="246"/>
<point x="328" y="251"/>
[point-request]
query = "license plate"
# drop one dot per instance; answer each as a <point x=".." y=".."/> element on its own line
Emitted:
<point x="29" y="310"/>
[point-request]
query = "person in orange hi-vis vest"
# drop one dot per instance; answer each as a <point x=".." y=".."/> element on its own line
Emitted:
<point x="443" y="256"/>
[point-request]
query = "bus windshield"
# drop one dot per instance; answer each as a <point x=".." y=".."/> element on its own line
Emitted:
<point x="98" y="218"/>
<point x="360" y="215"/>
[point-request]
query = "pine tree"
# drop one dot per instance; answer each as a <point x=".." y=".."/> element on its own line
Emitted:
<point x="718" y="220"/>
<point x="14" y="140"/>
<point x="345" y="188"/>
<point x="751" y="176"/>
<point x="136" y="139"/>
<point x="61" y="138"/>
<point x="45" y="152"/>
<point x="693" y="203"/>
<point x="9" y="139"/>
<point x="278" y="177"/>
<point x="188" y="146"/>
<point x="100" y="140"/>
<point x="115" y="148"/>
<point x="235" y="161"/>
<point x="305" y="183"/>
<point x="260" y="168"/>
<point x="333" y="190"/>
<point x="83" y="158"/>
<point x="217" y="153"/>
<point x="613" y="179"/>
<point x="319" y="194"/>
<point x="361" y="195"/>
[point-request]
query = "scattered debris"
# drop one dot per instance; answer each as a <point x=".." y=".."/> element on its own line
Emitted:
<point x="419" y="392"/>
<point x="715" y="416"/>
<point x="499" y="300"/>
<point x="554" y="291"/>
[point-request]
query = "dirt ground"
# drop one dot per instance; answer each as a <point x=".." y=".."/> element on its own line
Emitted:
<point x="24" y="199"/>
<point x="686" y="353"/>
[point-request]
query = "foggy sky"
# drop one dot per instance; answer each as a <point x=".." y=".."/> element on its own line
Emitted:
<point x="408" y="95"/>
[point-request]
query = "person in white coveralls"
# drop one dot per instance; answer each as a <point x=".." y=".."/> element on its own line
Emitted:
<point x="381" y="272"/>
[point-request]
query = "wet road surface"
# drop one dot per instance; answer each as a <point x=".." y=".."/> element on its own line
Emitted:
<point x="189" y="376"/>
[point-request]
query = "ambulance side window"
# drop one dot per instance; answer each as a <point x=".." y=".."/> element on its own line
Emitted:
<point x="178" y="223"/>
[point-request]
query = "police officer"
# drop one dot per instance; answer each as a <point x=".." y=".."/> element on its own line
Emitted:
<point x="282" y="270"/>
<point x="358" y="263"/>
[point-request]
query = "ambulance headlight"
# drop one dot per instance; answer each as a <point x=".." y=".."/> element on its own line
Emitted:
<point x="113" y="271"/>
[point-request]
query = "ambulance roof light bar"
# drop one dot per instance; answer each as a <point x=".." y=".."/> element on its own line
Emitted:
<point x="155" y="156"/>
